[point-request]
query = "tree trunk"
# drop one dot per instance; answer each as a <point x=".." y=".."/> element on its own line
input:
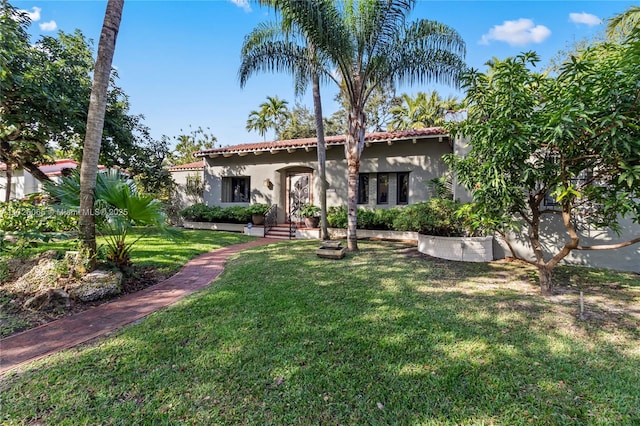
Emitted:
<point x="322" y="157"/>
<point x="546" y="283"/>
<point x="95" y="123"/>
<point x="7" y="192"/>
<point x="352" y="204"/>
<point x="353" y="146"/>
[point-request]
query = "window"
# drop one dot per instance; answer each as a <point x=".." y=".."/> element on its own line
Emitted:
<point x="235" y="189"/>
<point x="383" y="188"/>
<point x="402" y="195"/>
<point x="363" y="189"/>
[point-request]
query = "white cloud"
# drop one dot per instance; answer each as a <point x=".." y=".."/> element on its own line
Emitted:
<point x="243" y="4"/>
<point x="584" y="18"/>
<point x="34" y="16"/>
<point x="48" y="26"/>
<point x="517" y="33"/>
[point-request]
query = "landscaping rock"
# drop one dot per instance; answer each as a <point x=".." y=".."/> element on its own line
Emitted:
<point x="96" y="285"/>
<point x="41" y="276"/>
<point x="48" y="300"/>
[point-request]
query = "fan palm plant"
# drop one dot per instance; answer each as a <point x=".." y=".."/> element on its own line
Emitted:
<point x="118" y="207"/>
<point x="368" y="43"/>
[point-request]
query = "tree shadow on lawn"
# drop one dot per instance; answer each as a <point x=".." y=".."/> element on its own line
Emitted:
<point x="284" y="337"/>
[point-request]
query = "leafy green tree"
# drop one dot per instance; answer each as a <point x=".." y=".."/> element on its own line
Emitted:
<point x="370" y="43"/>
<point x="95" y="123"/>
<point x="49" y="83"/>
<point x="44" y="90"/>
<point x="188" y="143"/>
<point x="377" y="110"/>
<point x="565" y="147"/>
<point x="623" y="25"/>
<point x="301" y="124"/>
<point x="422" y="111"/>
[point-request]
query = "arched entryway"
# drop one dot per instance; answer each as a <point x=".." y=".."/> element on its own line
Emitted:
<point x="297" y="191"/>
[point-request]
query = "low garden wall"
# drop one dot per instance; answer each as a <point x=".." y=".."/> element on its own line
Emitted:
<point x="213" y="226"/>
<point x="467" y="249"/>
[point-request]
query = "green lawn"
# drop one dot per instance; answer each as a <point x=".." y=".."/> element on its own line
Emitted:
<point x="155" y="250"/>
<point x="166" y="256"/>
<point x="380" y="337"/>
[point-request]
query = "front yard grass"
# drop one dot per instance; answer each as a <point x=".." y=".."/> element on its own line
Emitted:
<point x="155" y="257"/>
<point x="384" y="336"/>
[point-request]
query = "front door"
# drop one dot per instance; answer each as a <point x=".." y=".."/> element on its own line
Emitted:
<point x="299" y="189"/>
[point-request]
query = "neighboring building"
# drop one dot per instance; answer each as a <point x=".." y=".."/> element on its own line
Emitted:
<point x="23" y="183"/>
<point x="189" y="179"/>
<point x="395" y="169"/>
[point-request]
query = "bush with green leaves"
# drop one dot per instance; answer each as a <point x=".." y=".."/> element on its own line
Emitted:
<point x="234" y="214"/>
<point x="22" y="216"/>
<point x="434" y="217"/>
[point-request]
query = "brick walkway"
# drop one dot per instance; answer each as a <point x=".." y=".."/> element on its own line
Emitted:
<point x="70" y="331"/>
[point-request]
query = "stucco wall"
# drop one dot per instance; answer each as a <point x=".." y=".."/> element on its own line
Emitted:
<point x="422" y="159"/>
<point x="23" y="184"/>
<point x="180" y="178"/>
<point x="554" y="236"/>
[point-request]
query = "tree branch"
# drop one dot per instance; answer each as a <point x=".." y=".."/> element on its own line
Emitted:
<point x="610" y="246"/>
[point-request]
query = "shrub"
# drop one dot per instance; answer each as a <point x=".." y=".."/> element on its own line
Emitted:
<point x="196" y="213"/>
<point x="257" y="208"/>
<point x="203" y="213"/>
<point x="21" y="216"/>
<point x="434" y="217"/>
<point x="337" y="217"/>
<point x="310" y="210"/>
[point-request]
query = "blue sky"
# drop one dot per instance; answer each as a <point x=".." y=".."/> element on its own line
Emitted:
<point x="178" y="60"/>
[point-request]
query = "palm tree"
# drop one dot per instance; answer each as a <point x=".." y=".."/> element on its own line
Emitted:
<point x="281" y="47"/>
<point x="276" y="111"/>
<point x="423" y="111"/>
<point x="369" y="43"/>
<point x="259" y="122"/>
<point x="95" y="123"/>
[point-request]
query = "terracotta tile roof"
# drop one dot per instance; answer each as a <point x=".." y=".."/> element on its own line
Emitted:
<point x="330" y="140"/>
<point x="55" y="168"/>
<point x="189" y="166"/>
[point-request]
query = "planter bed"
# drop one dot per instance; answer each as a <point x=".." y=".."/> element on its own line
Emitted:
<point x="467" y="249"/>
<point x="213" y="226"/>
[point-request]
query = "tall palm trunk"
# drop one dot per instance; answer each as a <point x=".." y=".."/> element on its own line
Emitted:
<point x="95" y="122"/>
<point x="322" y="156"/>
<point x="353" y="147"/>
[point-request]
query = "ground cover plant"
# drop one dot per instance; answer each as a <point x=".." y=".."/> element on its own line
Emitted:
<point x="384" y="336"/>
<point x="156" y="257"/>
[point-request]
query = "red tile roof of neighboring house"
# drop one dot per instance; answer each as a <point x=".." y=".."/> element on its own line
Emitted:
<point x="196" y="165"/>
<point x="330" y="140"/>
<point x="56" y="168"/>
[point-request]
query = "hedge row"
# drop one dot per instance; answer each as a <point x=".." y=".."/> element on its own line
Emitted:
<point x="434" y="217"/>
<point x="235" y="214"/>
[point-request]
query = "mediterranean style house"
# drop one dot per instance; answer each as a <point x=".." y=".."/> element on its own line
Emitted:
<point x="395" y="170"/>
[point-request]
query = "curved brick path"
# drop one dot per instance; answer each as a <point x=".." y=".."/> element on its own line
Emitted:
<point x="70" y="331"/>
